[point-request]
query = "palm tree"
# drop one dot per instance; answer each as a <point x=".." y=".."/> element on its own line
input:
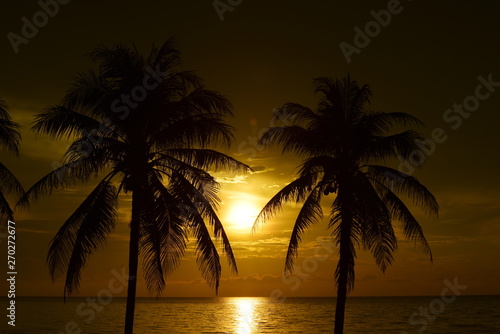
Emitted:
<point x="140" y="121"/>
<point x="341" y="142"/>
<point x="9" y="140"/>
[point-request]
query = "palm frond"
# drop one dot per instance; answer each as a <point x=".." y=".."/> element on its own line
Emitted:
<point x="309" y="214"/>
<point x="208" y="212"/>
<point x="163" y="237"/>
<point x="292" y="138"/>
<point x="89" y="95"/>
<point x="196" y="185"/>
<point x="207" y="256"/>
<point x="85" y="231"/>
<point x="9" y="131"/>
<point x="296" y="191"/>
<point x="8" y="182"/>
<point x="201" y="200"/>
<point x="411" y="228"/>
<point x="168" y="56"/>
<point x="407" y="185"/>
<point x="379" y="123"/>
<point x="59" y="121"/>
<point x="199" y="131"/>
<point x="294" y="113"/>
<point x="4" y="113"/>
<point x="6" y="212"/>
<point x="99" y="150"/>
<point x="66" y="175"/>
<point x="375" y="222"/>
<point x="402" y="145"/>
<point x="208" y="159"/>
<point x="204" y="101"/>
<point x="120" y="63"/>
<point x="319" y="164"/>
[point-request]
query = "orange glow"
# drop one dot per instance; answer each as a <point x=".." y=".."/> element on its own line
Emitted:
<point x="241" y="215"/>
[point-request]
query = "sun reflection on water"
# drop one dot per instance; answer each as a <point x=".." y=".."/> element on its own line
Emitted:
<point x="245" y="315"/>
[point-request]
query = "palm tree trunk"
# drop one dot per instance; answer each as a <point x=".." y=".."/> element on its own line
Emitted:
<point x="341" y="300"/>
<point x="346" y="259"/>
<point x="133" y="261"/>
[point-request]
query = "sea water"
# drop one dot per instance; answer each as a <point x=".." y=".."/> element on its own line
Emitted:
<point x="242" y="315"/>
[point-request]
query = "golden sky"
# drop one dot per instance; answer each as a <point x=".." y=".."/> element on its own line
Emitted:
<point x="427" y="59"/>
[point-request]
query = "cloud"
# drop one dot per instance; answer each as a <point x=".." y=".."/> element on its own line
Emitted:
<point x="261" y="169"/>
<point x="273" y="247"/>
<point x="253" y="277"/>
<point x="254" y="157"/>
<point x="259" y="157"/>
<point x="232" y="179"/>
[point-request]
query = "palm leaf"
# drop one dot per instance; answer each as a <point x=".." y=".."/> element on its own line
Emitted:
<point x="163" y="237"/>
<point x="407" y="185"/>
<point x="6" y="212"/>
<point x="294" y="112"/>
<point x="8" y="182"/>
<point x="374" y="220"/>
<point x="205" y="158"/>
<point x="89" y="95"/>
<point x="291" y="138"/>
<point x="296" y="191"/>
<point x="411" y="228"/>
<point x="190" y="132"/>
<point x="207" y="256"/>
<point x="200" y="201"/>
<point x="381" y="148"/>
<point x="60" y="121"/>
<point x="9" y="131"/>
<point x="80" y="170"/>
<point x="309" y="214"/>
<point x="85" y="231"/>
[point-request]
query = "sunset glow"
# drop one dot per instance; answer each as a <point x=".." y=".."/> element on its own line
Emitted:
<point x="241" y="215"/>
<point x="250" y="167"/>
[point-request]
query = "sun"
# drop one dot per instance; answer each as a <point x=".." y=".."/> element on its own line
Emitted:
<point x="241" y="215"/>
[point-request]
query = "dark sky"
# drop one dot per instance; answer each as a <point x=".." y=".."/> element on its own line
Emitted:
<point x="263" y="54"/>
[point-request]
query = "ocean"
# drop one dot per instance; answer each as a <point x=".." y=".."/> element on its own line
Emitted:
<point x="242" y="315"/>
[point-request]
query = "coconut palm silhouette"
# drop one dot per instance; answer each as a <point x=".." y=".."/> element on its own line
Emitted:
<point x="142" y="123"/>
<point x="341" y="142"/>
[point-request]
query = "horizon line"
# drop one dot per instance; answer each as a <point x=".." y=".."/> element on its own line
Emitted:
<point x="214" y="297"/>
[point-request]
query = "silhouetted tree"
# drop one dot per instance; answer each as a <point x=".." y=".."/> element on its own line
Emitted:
<point x="144" y="123"/>
<point x="341" y="142"/>
<point x="9" y="141"/>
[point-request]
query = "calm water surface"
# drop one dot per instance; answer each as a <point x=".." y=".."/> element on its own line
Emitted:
<point x="468" y="314"/>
